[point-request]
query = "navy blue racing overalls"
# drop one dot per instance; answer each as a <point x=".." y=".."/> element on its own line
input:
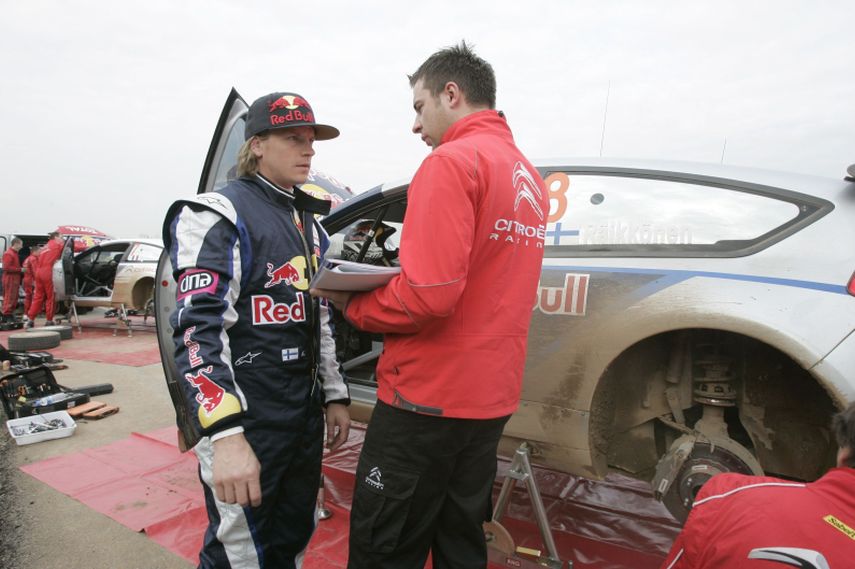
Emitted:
<point x="257" y="356"/>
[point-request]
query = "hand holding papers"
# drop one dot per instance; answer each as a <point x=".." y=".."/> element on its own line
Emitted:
<point x="339" y="274"/>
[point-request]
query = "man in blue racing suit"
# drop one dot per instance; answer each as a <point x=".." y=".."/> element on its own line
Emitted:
<point x="254" y="349"/>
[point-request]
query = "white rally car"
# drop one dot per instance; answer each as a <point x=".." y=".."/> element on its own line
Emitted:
<point x="691" y="318"/>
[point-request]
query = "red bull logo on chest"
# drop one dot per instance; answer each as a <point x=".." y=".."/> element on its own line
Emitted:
<point x="266" y="311"/>
<point x="291" y="273"/>
<point x="286" y="273"/>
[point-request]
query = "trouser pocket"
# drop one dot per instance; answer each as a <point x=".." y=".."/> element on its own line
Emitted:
<point x="381" y="503"/>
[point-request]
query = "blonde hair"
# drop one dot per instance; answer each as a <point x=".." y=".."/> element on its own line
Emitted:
<point x="247" y="162"/>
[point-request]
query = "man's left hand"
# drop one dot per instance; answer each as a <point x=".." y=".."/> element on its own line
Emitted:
<point x="338" y="425"/>
<point x="338" y="297"/>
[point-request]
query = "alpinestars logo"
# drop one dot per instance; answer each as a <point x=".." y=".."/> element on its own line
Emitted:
<point x="213" y="200"/>
<point x="527" y="190"/>
<point x="374" y="478"/>
<point x="247" y="358"/>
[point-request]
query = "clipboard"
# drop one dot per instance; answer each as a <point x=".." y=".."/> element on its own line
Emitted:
<point x="340" y="274"/>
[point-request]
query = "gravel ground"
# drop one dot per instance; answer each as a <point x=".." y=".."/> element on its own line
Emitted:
<point x="41" y="528"/>
<point x="14" y="523"/>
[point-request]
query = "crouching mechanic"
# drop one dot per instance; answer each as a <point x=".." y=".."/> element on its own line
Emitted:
<point x="760" y="522"/>
<point x="255" y="349"/>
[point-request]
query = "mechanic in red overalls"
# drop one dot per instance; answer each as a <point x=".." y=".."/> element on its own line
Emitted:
<point x="745" y="522"/>
<point x="11" y="279"/>
<point x="31" y="266"/>
<point x="44" y="280"/>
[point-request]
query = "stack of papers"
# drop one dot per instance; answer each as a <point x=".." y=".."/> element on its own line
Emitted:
<point x="338" y="274"/>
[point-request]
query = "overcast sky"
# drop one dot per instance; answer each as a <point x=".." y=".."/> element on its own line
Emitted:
<point x="108" y="107"/>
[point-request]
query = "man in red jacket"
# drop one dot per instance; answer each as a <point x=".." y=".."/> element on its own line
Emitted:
<point x="759" y="522"/>
<point x="31" y="265"/>
<point x="44" y="280"/>
<point x="11" y="279"/>
<point x="455" y="322"/>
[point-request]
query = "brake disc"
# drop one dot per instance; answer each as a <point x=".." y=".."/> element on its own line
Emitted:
<point x="690" y="462"/>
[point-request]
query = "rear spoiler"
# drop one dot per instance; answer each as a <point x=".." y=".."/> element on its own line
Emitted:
<point x="851" y="173"/>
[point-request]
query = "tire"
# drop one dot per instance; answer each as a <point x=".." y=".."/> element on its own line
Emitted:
<point x="34" y="341"/>
<point x="65" y="332"/>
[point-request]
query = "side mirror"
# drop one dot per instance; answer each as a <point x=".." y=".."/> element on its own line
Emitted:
<point x="851" y="173"/>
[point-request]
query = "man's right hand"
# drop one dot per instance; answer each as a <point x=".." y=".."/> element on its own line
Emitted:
<point x="236" y="471"/>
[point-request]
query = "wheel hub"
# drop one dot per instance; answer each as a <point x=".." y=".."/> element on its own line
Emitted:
<point x="692" y="461"/>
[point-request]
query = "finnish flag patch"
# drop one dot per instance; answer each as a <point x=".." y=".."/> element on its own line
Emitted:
<point x="290" y="354"/>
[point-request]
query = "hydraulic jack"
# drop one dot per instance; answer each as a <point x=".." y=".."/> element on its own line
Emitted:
<point x="500" y="544"/>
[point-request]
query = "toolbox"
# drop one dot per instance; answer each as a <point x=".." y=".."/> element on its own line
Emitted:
<point x="54" y="425"/>
<point x="34" y="391"/>
<point x="26" y="359"/>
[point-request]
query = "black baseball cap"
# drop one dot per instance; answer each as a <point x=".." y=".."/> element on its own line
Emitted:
<point x="284" y="110"/>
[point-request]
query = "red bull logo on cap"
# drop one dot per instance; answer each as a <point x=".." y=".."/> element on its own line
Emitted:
<point x="290" y="108"/>
<point x="289" y="102"/>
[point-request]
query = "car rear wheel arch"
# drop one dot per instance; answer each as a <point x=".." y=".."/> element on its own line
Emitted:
<point x="778" y="410"/>
<point x="143" y="293"/>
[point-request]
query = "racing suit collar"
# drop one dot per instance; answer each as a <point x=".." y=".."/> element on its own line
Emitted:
<point x="491" y="120"/>
<point x="295" y="197"/>
<point x="284" y="192"/>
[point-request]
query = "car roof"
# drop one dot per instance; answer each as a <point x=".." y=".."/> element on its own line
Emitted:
<point x="809" y="184"/>
<point x="147" y="241"/>
<point x="829" y="188"/>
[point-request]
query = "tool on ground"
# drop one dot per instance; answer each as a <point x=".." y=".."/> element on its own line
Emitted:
<point x="101" y="412"/>
<point x="79" y="410"/>
<point x="500" y="544"/>
<point x="95" y="389"/>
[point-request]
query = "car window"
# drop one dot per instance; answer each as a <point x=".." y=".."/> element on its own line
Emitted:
<point x="85" y="259"/>
<point x="368" y="240"/>
<point x="644" y="216"/>
<point x="227" y="168"/>
<point x="374" y="238"/>
<point x="144" y="253"/>
<point x="108" y="256"/>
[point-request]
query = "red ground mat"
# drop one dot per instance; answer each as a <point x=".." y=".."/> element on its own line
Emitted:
<point x="145" y="483"/>
<point x="97" y="344"/>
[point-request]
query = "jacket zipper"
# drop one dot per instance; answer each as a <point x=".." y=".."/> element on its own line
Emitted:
<point x="310" y="305"/>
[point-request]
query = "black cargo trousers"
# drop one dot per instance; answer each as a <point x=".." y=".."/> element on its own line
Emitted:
<point x="423" y="483"/>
